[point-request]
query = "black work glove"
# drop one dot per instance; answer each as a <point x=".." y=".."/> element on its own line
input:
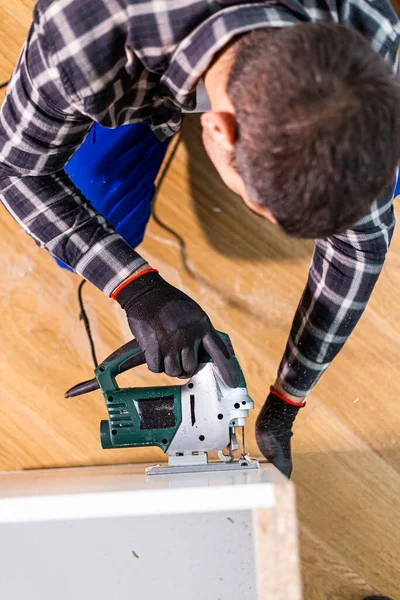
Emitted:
<point x="170" y="327"/>
<point x="378" y="598"/>
<point x="274" y="431"/>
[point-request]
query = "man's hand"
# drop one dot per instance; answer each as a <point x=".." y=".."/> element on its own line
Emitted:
<point x="170" y="327"/>
<point x="274" y="429"/>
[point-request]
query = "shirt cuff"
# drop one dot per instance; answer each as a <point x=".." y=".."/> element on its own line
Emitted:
<point x="108" y="263"/>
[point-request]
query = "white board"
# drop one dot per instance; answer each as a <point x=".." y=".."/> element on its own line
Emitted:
<point x="114" y="532"/>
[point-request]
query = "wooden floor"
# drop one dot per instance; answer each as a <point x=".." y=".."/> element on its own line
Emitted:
<point x="248" y="277"/>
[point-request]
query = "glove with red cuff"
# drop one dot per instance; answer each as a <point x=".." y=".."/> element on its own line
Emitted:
<point x="274" y="430"/>
<point x="170" y="327"/>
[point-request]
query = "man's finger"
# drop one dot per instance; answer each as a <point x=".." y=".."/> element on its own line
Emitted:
<point x="190" y="358"/>
<point x="226" y="364"/>
<point x="172" y="365"/>
<point x="154" y="360"/>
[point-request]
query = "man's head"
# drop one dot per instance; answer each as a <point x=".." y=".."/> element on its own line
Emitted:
<point x="305" y="125"/>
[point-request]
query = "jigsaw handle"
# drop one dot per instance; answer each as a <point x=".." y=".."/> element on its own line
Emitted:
<point x="133" y="361"/>
<point x="136" y="357"/>
<point x="82" y="388"/>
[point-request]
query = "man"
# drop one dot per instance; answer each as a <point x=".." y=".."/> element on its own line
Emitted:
<point x="303" y="123"/>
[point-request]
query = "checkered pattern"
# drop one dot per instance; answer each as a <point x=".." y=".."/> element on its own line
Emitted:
<point x="122" y="61"/>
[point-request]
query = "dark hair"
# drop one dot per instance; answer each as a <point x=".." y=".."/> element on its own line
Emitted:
<point x="318" y="117"/>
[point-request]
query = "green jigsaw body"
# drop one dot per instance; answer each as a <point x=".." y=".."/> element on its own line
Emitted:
<point x="137" y="416"/>
<point x="204" y="410"/>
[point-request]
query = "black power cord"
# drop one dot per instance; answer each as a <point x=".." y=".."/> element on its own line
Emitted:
<point x="83" y="314"/>
<point x="84" y="317"/>
<point x="179" y="238"/>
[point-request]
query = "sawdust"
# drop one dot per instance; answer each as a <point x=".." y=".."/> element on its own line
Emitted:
<point x="19" y="269"/>
<point x="163" y="240"/>
<point x="15" y="271"/>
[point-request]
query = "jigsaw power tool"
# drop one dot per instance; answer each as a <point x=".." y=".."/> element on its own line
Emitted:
<point x="185" y="421"/>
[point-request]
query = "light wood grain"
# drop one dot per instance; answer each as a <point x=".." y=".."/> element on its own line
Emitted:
<point x="276" y="548"/>
<point x="354" y="495"/>
<point x="325" y="574"/>
<point x="249" y="278"/>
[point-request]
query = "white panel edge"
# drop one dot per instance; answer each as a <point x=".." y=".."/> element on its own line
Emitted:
<point x="136" y="503"/>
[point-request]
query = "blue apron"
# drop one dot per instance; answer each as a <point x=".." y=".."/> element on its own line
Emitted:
<point x="115" y="169"/>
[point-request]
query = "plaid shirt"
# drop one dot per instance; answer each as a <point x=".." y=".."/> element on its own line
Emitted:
<point x="122" y="61"/>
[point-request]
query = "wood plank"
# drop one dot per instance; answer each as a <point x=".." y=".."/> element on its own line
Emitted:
<point x="325" y="575"/>
<point x="21" y="13"/>
<point x="276" y="548"/>
<point x="348" y="496"/>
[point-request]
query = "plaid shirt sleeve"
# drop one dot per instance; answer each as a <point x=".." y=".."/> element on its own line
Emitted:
<point x="37" y="138"/>
<point x="342" y="275"/>
<point x="344" y="268"/>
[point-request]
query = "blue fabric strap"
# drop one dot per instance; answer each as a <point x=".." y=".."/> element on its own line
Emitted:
<point x="115" y="169"/>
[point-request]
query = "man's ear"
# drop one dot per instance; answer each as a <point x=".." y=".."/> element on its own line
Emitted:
<point x="221" y="125"/>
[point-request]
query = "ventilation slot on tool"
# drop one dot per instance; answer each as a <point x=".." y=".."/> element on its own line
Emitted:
<point x="157" y="413"/>
<point x="192" y="409"/>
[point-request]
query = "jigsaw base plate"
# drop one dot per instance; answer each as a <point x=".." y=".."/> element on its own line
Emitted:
<point x="243" y="464"/>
